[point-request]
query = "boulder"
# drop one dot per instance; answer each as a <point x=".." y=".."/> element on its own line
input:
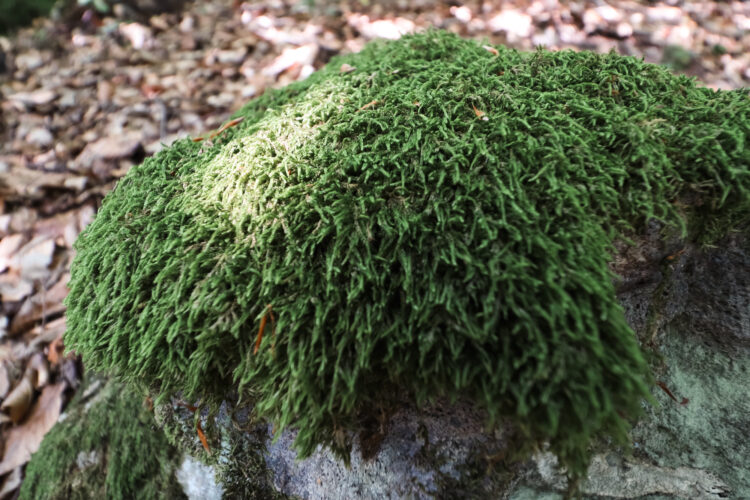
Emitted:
<point x="427" y="263"/>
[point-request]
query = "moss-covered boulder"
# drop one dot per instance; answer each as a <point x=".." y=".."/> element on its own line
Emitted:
<point x="106" y="445"/>
<point x="425" y="219"/>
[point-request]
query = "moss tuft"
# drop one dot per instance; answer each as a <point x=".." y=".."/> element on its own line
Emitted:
<point x="438" y="221"/>
<point x="106" y="447"/>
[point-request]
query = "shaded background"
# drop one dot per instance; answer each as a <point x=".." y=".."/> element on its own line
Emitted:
<point x="97" y="85"/>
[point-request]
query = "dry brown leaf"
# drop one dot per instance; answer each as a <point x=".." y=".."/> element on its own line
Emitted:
<point x="25" y="439"/>
<point x="13" y="288"/>
<point x="300" y="56"/>
<point x="55" y="351"/>
<point x="38" y="365"/>
<point x="35" y="257"/>
<point x="11" y="483"/>
<point x="392" y="29"/>
<point x="45" y="303"/>
<point x="20" y="183"/>
<point x="4" y="380"/>
<point x="18" y="401"/>
<point x="61" y="228"/>
<point x="107" y="149"/>
<point x="8" y="247"/>
<point x="40" y="337"/>
<point x="36" y="98"/>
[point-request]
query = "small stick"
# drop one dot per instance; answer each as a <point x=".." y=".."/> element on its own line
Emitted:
<point x="669" y="393"/>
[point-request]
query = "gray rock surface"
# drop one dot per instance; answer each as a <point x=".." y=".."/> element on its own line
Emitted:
<point x="691" y="311"/>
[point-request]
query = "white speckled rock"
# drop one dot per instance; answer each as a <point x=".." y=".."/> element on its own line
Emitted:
<point x="198" y="480"/>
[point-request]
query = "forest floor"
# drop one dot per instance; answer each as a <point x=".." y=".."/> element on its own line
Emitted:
<point x="86" y="97"/>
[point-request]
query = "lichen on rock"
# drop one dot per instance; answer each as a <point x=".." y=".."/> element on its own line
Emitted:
<point x="438" y="222"/>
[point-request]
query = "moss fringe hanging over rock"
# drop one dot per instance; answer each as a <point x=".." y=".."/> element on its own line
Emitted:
<point x="437" y="221"/>
<point x="107" y="447"/>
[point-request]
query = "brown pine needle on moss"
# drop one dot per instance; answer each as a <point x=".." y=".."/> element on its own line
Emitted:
<point x="202" y="436"/>
<point x="369" y="105"/>
<point x="269" y="312"/>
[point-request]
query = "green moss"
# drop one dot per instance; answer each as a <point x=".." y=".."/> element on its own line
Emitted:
<point x="106" y="447"/>
<point x="17" y="13"/>
<point x="237" y="450"/>
<point x="436" y="222"/>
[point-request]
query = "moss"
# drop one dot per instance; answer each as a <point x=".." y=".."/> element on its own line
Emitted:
<point x="106" y="447"/>
<point x="17" y="13"/>
<point x="438" y="221"/>
<point x="237" y="449"/>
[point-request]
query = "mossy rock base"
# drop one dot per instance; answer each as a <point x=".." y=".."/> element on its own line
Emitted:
<point x="106" y="445"/>
<point x="691" y="312"/>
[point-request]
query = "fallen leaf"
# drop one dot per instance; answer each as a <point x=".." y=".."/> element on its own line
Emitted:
<point x="8" y="247"/>
<point x="61" y="228"/>
<point x="13" y="288"/>
<point x="36" y="98"/>
<point x="55" y="351"/>
<point x="20" y="183"/>
<point x="41" y="305"/>
<point x="18" y="401"/>
<point x="392" y="29"/>
<point x="42" y="335"/>
<point x="4" y="380"/>
<point x="11" y="483"/>
<point x="347" y="68"/>
<point x="139" y="36"/>
<point x="151" y="91"/>
<point x="301" y="56"/>
<point x="108" y="148"/>
<point x="35" y="257"/>
<point x="38" y="365"/>
<point x="25" y="439"/>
